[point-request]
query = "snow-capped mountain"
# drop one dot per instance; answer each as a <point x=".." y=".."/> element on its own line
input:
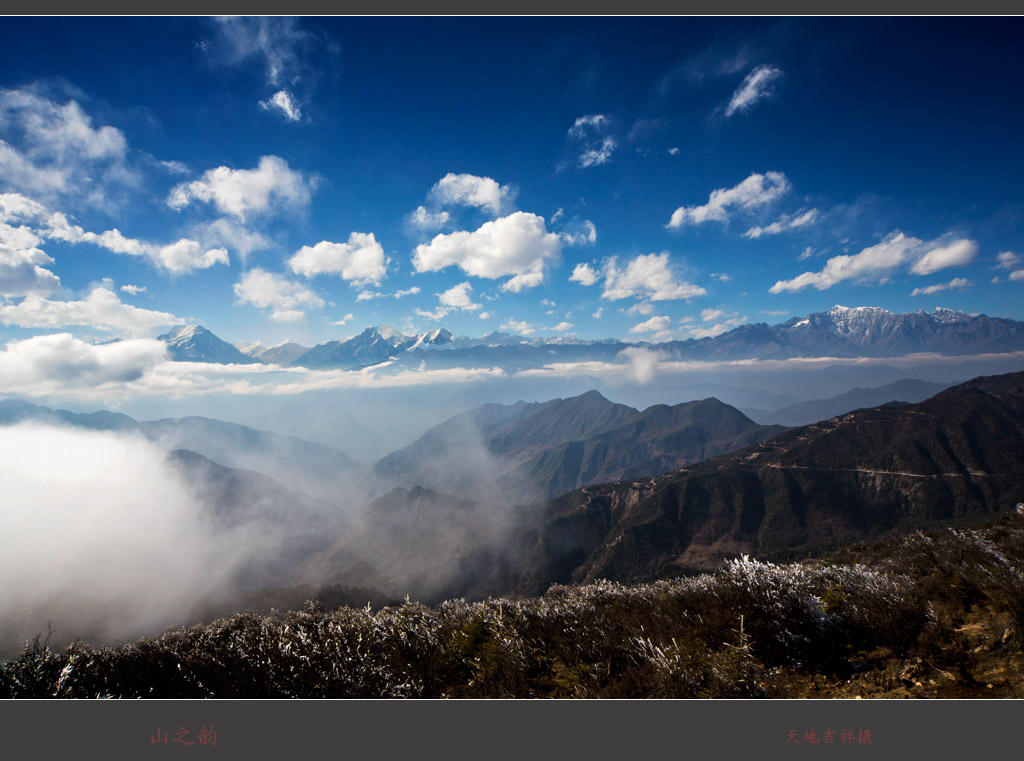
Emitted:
<point x="839" y="332"/>
<point x="194" y="343"/>
<point x="279" y="354"/>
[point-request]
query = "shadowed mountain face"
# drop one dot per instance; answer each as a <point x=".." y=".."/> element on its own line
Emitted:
<point x="525" y="452"/>
<point x="957" y="455"/>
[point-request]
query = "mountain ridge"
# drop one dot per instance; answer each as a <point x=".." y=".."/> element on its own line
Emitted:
<point x="841" y="332"/>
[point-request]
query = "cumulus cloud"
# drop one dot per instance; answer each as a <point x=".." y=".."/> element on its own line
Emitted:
<point x="655" y="324"/>
<point x="283" y="103"/>
<point x="470" y="190"/>
<point x="22" y="272"/>
<point x="711" y="314"/>
<point x="641" y="307"/>
<point x="287" y="301"/>
<point x="518" y="245"/>
<point x="562" y="327"/>
<point x="757" y="190"/>
<point x="187" y="255"/>
<point x="584" y="274"/>
<point x="226" y="233"/>
<point x="519" y="326"/>
<point x="757" y="86"/>
<point x="361" y="260"/>
<point x="732" y="320"/>
<point x="243" y="192"/>
<point x="878" y="261"/>
<point x="344" y="320"/>
<point x="785" y="222"/>
<point x="182" y="256"/>
<point x="57" y="362"/>
<point x="134" y="290"/>
<point x="425" y="220"/>
<point x="1007" y="260"/>
<point x="646" y="276"/>
<point x="52" y="150"/>
<point x="592" y="135"/>
<point x="457" y="297"/>
<point x="101" y="309"/>
<point x="957" y="282"/>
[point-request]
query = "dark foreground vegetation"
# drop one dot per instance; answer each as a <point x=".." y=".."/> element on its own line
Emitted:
<point x="932" y="615"/>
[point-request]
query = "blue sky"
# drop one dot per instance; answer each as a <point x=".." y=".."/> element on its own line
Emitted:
<point x="644" y="179"/>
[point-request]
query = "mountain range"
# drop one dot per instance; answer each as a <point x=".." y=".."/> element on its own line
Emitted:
<point x="838" y="332"/>
<point x="802" y="413"/>
<point x="957" y="455"/>
<point x="534" y="451"/>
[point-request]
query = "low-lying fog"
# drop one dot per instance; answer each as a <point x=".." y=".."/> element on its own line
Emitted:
<point x="103" y="536"/>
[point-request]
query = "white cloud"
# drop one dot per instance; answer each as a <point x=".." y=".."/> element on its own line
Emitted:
<point x="1007" y="260"/>
<point x="957" y="282"/>
<point x="523" y="328"/>
<point x="959" y="253"/>
<point x="437" y="315"/>
<point x="578" y="233"/>
<point x="485" y="315"/>
<point x="243" y="192"/>
<point x="643" y="364"/>
<point x="266" y="290"/>
<point x="708" y="315"/>
<point x="134" y="290"/>
<point x="646" y="276"/>
<point x="344" y="320"/>
<point x="656" y="323"/>
<point x="807" y="253"/>
<point x="732" y="320"/>
<point x="408" y="292"/>
<point x="562" y="327"/>
<point x="58" y="362"/>
<point x="57" y="152"/>
<point x="360" y="261"/>
<point x="101" y="309"/>
<point x="226" y="233"/>
<point x="518" y="245"/>
<point x="277" y="40"/>
<point x="593" y="138"/>
<point x="756" y="86"/>
<point x="187" y="255"/>
<point x="584" y="274"/>
<point x="785" y="222"/>
<point x="179" y="257"/>
<point x="641" y="307"/>
<point x="457" y="297"/>
<point x="22" y="272"/>
<point x="422" y="219"/>
<point x="470" y="190"/>
<point x="757" y="190"/>
<point x="1016" y="275"/>
<point x="283" y="102"/>
<point x="673" y="151"/>
<point x="878" y="261"/>
<point x="597" y="315"/>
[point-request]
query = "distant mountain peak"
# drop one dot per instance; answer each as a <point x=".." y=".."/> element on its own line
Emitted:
<point x="194" y="343"/>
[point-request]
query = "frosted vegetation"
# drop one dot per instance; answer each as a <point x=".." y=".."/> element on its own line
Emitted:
<point x="740" y="632"/>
